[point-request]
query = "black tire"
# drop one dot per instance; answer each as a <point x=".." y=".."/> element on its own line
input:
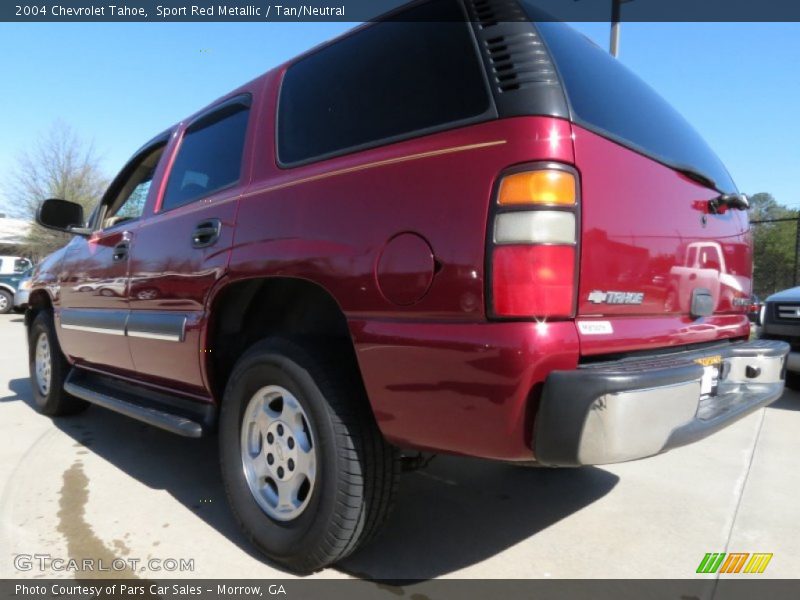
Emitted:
<point x="356" y="471"/>
<point x="56" y="401"/>
<point x="793" y="381"/>
<point x="6" y="302"/>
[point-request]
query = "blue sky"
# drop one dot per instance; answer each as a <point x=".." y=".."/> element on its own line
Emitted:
<point x="119" y="84"/>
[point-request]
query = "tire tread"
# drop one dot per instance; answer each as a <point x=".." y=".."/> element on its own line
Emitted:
<point x="368" y="467"/>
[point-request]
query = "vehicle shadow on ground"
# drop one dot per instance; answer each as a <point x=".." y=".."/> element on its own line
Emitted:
<point x="454" y="514"/>
<point x="789" y="401"/>
<point x="460" y="512"/>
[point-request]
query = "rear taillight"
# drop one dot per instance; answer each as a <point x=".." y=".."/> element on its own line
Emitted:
<point x="533" y="241"/>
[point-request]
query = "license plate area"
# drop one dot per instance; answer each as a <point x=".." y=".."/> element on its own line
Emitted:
<point x="709" y="383"/>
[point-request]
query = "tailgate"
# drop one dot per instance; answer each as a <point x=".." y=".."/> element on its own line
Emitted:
<point x="648" y="239"/>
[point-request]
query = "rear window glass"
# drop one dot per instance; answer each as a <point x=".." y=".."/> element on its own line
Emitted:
<point x="385" y="82"/>
<point x="605" y="96"/>
<point x="209" y="159"/>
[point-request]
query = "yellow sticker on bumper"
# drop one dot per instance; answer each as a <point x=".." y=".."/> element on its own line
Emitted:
<point x="709" y="361"/>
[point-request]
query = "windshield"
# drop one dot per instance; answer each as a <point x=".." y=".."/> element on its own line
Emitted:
<point x="22" y="265"/>
<point x="608" y="98"/>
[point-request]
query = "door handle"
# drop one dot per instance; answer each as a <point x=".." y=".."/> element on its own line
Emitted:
<point x="120" y="251"/>
<point x="206" y="233"/>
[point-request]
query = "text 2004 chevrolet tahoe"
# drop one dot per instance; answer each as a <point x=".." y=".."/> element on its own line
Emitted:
<point x="447" y="233"/>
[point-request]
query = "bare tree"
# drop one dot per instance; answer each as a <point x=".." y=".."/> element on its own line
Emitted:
<point x="59" y="165"/>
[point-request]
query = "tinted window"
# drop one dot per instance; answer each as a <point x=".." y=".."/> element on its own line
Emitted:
<point x="607" y="97"/>
<point x="384" y="82"/>
<point x="209" y="159"/>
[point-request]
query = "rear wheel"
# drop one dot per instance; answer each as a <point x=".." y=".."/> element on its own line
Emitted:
<point x="306" y="470"/>
<point x="793" y="381"/>
<point x="49" y="369"/>
<point x="6" y="302"/>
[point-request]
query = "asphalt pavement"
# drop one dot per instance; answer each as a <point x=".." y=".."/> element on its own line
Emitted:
<point x="104" y="487"/>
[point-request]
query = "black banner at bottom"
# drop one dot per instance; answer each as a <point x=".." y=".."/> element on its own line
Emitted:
<point x="440" y="589"/>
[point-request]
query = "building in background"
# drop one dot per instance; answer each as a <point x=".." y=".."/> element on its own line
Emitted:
<point x="13" y="234"/>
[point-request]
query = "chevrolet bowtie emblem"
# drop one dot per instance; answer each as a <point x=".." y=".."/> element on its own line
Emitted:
<point x="600" y="297"/>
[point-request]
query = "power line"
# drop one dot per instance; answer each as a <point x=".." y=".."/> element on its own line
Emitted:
<point x="756" y="222"/>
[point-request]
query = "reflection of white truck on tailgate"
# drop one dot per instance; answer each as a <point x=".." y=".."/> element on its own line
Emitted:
<point x="704" y="266"/>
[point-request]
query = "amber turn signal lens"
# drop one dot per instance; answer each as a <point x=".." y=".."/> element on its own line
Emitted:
<point x="546" y="186"/>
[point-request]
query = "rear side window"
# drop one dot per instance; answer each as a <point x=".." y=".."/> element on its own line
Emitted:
<point x="691" y="257"/>
<point x="711" y="258"/>
<point x="386" y="82"/>
<point x="608" y="98"/>
<point x="210" y="157"/>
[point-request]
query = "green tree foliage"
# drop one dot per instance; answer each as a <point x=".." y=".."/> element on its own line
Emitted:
<point x="59" y="165"/>
<point x="773" y="245"/>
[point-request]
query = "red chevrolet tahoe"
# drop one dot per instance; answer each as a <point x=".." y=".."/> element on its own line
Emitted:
<point x="459" y="230"/>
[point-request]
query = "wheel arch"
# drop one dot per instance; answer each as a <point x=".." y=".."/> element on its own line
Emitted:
<point x="37" y="301"/>
<point x="242" y="312"/>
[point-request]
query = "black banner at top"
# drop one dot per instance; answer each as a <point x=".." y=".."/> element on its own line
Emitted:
<point x="368" y="10"/>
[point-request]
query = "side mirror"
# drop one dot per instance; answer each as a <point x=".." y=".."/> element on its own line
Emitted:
<point x="62" y="215"/>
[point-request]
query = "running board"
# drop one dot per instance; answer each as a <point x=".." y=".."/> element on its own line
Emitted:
<point x="142" y="405"/>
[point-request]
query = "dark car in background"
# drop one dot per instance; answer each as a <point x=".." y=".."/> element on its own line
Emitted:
<point x="780" y="320"/>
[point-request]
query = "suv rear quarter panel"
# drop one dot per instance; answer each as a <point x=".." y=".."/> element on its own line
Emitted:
<point x="329" y="222"/>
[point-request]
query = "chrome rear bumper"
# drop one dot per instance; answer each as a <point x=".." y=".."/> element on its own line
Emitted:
<point x="628" y="409"/>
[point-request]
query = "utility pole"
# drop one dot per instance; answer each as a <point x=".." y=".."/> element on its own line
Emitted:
<point x="613" y="45"/>
<point x="795" y="277"/>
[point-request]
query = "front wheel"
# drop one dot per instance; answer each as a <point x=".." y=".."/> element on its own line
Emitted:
<point x="306" y="470"/>
<point x="49" y="369"/>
